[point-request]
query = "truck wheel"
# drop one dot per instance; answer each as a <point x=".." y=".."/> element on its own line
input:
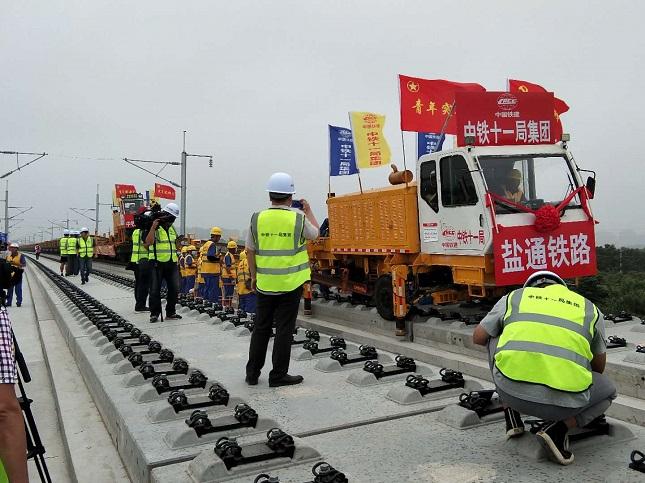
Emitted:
<point x="383" y="297"/>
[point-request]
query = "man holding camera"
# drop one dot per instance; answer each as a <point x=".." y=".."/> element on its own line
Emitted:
<point x="279" y="266"/>
<point x="13" y="441"/>
<point x="161" y="243"/>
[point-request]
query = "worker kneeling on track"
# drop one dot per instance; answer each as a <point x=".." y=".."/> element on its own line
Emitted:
<point x="547" y="353"/>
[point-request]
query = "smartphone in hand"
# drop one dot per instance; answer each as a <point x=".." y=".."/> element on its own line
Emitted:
<point x="297" y="204"/>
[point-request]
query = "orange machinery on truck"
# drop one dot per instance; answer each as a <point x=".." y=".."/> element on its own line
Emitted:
<point x="453" y="234"/>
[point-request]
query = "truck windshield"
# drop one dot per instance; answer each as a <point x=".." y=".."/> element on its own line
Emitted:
<point x="530" y="181"/>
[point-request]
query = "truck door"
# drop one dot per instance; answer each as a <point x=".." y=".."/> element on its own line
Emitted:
<point x="429" y="209"/>
<point x="463" y="224"/>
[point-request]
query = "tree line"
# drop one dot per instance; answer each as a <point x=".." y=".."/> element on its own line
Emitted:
<point x="620" y="283"/>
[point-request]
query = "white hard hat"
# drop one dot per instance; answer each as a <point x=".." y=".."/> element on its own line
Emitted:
<point x="171" y="209"/>
<point x="14" y="245"/>
<point x="85" y="229"/>
<point x="66" y="232"/>
<point x="281" y="183"/>
<point x="543" y="276"/>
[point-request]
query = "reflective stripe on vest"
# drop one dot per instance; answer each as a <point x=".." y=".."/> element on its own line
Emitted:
<point x="281" y="259"/>
<point x="15" y="261"/>
<point x="229" y="272"/>
<point x="163" y="250"/>
<point x="86" y="249"/>
<point x="72" y="244"/>
<point x="139" y="251"/>
<point x="547" y="338"/>
<point x="190" y="270"/>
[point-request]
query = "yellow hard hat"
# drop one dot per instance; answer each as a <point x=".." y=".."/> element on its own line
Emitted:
<point x="184" y="249"/>
<point x="515" y="174"/>
<point x="191" y="248"/>
<point x="216" y="230"/>
<point x="243" y="255"/>
<point x="231" y="244"/>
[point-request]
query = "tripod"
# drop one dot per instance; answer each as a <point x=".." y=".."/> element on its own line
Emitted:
<point x="35" y="448"/>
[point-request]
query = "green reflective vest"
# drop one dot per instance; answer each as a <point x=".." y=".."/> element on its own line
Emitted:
<point x="72" y="245"/>
<point x="547" y="338"/>
<point x="62" y="245"/>
<point x="164" y="248"/>
<point x="3" y="475"/>
<point x="281" y="259"/>
<point x="139" y="251"/>
<point x="86" y="247"/>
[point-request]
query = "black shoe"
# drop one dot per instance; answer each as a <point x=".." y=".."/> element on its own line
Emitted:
<point x="82" y="282"/>
<point x="553" y="437"/>
<point x="18" y="304"/>
<point x="173" y="317"/>
<point x="143" y="309"/>
<point x="286" y="381"/>
<point x="514" y="424"/>
<point x="251" y="381"/>
<point x="154" y="318"/>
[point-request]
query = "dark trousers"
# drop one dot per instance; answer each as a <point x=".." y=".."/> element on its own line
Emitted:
<point x="85" y="264"/>
<point x="142" y="279"/>
<point x="71" y="264"/>
<point x="164" y="272"/>
<point x="280" y="311"/>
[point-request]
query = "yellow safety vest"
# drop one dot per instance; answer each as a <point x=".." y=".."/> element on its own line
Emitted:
<point x="72" y="245"/>
<point x="209" y="267"/>
<point x="229" y="272"/>
<point x="15" y="261"/>
<point x="139" y="251"/>
<point x="281" y="259"/>
<point x="547" y="338"/>
<point x="164" y="249"/>
<point x="62" y="244"/>
<point x="190" y="270"/>
<point x="86" y="248"/>
<point x="243" y="274"/>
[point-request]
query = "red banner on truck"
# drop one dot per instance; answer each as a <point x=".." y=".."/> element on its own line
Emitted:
<point x="506" y="118"/>
<point x="569" y="251"/>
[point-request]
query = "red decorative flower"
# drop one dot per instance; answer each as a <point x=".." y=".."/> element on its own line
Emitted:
<point x="547" y="218"/>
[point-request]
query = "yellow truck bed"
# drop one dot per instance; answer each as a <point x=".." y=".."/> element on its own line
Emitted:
<point x="379" y="220"/>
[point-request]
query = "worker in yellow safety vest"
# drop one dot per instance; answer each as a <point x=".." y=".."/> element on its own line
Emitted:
<point x="85" y="254"/>
<point x="190" y="268"/>
<point x="547" y="354"/>
<point x="182" y="272"/>
<point x="229" y="274"/>
<point x="245" y="293"/>
<point x="18" y="262"/>
<point x="279" y="265"/>
<point x="62" y="246"/>
<point x="211" y="269"/>
<point x="142" y="268"/>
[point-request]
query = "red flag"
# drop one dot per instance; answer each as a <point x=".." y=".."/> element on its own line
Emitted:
<point x="124" y="189"/>
<point x="164" y="191"/>
<point x="523" y="86"/>
<point x="425" y="104"/>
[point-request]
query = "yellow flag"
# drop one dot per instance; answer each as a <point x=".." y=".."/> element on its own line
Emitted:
<point x="370" y="145"/>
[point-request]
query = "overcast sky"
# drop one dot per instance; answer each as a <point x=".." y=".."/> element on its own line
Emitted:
<point x="256" y="83"/>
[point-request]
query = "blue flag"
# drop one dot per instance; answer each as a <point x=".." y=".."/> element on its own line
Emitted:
<point x="341" y="152"/>
<point x="429" y="142"/>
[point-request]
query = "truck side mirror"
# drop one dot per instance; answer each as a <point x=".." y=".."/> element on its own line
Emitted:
<point x="591" y="186"/>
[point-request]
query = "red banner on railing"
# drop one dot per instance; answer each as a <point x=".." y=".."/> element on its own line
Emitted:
<point x="505" y="118"/>
<point x="569" y="251"/>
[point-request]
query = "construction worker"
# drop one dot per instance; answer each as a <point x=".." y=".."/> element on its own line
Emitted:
<point x="142" y="269"/>
<point x="182" y="272"/>
<point x="245" y="293"/>
<point x="85" y="254"/>
<point x="72" y="253"/>
<point x="190" y="268"/>
<point x="512" y="190"/>
<point x="547" y="354"/>
<point x="18" y="262"/>
<point x="37" y="250"/>
<point x="62" y="246"/>
<point x="279" y="265"/>
<point x="162" y="252"/>
<point x="210" y="266"/>
<point x="229" y="274"/>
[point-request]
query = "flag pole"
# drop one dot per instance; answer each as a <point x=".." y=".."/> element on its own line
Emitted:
<point x="329" y="151"/>
<point x="405" y="167"/>
<point x="445" y="123"/>
<point x="360" y="185"/>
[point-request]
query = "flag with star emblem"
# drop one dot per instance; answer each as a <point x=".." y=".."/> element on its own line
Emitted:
<point x="370" y="147"/>
<point x="559" y="106"/>
<point x="426" y="104"/>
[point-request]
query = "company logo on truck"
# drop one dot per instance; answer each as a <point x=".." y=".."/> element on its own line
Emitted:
<point x="507" y="102"/>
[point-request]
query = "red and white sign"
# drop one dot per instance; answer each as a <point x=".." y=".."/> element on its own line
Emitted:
<point x="164" y="191"/>
<point x="569" y="251"/>
<point x="123" y="189"/>
<point x="506" y="118"/>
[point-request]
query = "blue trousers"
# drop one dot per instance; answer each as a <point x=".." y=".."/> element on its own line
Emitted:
<point x="18" y="288"/>
<point x="188" y="283"/>
<point x="211" y="288"/>
<point x="248" y="302"/>
<point x="85" y="264"/>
